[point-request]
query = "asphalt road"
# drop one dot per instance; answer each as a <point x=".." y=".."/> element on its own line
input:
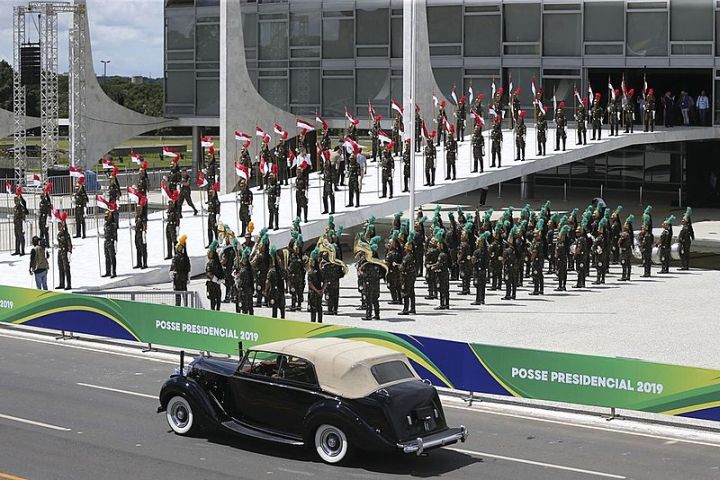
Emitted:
<point x="84" y="413"/>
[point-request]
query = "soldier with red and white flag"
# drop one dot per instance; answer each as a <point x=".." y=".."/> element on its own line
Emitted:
<point x="318" y="119"/>
<point x="76" y="172"/>
<point x="136" y="158"/>
<point x="453" y="95"/>
<point x="206" y="142"/>
<point x="242" y="171"/>
<point x="107" y="163"/>
<point x="37" y="181"/>
<point x="350" y="118"/>
<point x="134" y="195"/>
<point x="201" y="181"/>
<point x="9" y="187"/>
<point x="384" y="137"/>
<point x="105" y="204"/>
<point x="278" y="129"/>
<point x="351" y="146"/>
<point x="167" y="194"/>
<point x="259" y="132"/>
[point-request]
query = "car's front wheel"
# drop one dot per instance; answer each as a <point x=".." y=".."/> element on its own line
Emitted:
<point x="180" y="416"/>
<point x="331" y="443"/>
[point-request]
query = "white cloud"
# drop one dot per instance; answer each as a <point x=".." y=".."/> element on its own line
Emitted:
<point x="129" y="33"/>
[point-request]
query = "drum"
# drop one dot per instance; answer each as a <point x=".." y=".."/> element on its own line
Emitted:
<point x="675" y="251"/>
<point x="636" y="252"/>
<point x="656" y="255"/>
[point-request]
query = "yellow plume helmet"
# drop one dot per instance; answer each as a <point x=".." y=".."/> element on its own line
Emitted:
<point x="182" y="240"/>
<point x="250" y="227"/>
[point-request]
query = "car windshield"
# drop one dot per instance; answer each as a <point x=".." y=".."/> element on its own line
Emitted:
<point x="391" y="372"/>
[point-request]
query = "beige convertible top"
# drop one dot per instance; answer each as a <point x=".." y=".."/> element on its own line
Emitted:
<point x="342" y="366"/>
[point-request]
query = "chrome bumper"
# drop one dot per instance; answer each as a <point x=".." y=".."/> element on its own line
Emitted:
<point x="448" y="437"/>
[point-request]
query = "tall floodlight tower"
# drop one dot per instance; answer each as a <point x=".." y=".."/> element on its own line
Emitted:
<point x="48" y="83"/>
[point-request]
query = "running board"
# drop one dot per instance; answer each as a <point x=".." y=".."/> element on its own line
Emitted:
<point x="251" y="432"/>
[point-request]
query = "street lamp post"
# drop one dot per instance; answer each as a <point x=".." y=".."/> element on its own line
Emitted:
<point x="104" y="62"/>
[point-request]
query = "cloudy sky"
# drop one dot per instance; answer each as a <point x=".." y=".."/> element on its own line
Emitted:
<point x="129" y="33"/>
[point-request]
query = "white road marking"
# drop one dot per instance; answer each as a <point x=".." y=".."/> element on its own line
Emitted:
<point x="538" y="464"/>
<point x="589" y="427"/>
<point x="117" y="390"/>
<point x="33" y="422"/>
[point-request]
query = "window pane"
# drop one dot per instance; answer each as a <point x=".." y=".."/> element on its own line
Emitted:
<point x="305" y="86"/>
<point x="446" y="78"/>
<point x="482" y="36"/>
<point x="561" y="35"/>
<point x="391" y="372"/>
<point x="603" y="49"/>
<point x="179" y="87"/>
<point x="372" y="26"/>
<point x="273" y="41"/>
<point x="250" y="29"/>
<point x="604" y="22"/>
<point x="337" y="93"/>
<point x="373" y="84"/>
<point x="691" y="20"/>
<point x="208" y="97"/>
<point x="522" y="77"/>
<point x="180" y="32"/>
<point x="298" y="370"/>
<point x="396" y="49"/>
<point x="522" y="22"/>
<point x="274" y="90"/>
<point x="647" y="34"/>
<point x="208" y="43"/>
<point x="444" y="24"/>
<point x="304" y="29"/>
<point x="338" y="38"/>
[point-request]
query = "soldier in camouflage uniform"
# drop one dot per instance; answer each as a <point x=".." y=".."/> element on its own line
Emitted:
<point x="520" y="132"/>
<point x="649" y="111"/>
<point x="172" y="223"/>
<point x="496" y="136"/>
<point x="629" y="111"/>
<point x="296" y="274"/>
<point x="541" y="126"/>
<point x="332" y="273"/>
<point x="537" y="260"/>
<point x="140" y="235"/>
<point x="180" y="269"/>
<point x="246" y="205"/>
<point x="316" y="287"/>
<point x="441" y="119"/>
<point x="213" y="209"/>
<point x="214" y="275"/>
<point x="388" y="165"/>
<point x="647" y="241"/>
<point x="596" y="115"/>
<point x="275" y="284"/>
<point x="185" y="195"/>
<point x="430" y="155"/>
<point x="451" y="152"/>
<point x="110" y="235"/>
<point x="613" y="112"/>
<point x="441" y="268"/>
<point x="602" y="255"/>
<point x="561" y="252"/>
<point x="479" y="263"/>
<point x="302" y="183"/>
<point x="665" y="244"/>
<point x="44" y="210"/>
<point x="64" y="250"/>
<point x="478" y="146"/>
<point x="244" y="283"/>
<point x="560" y="127"/>
<point x="581" y="119"/>
<point x="509" y="270"/>
<point x="374" y="137"/>
<point x="406" y="159"/>
<point x="81" y="200"/>
<point x="408" y="274"/>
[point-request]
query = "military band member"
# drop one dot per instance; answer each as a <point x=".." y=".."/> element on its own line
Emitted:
<point x="214" y="275"/>
<point x="520" y="132"/>
<point x="213" y="209"/>
<point x="431" y="255"/>
<point x="625" y="243"/>
<point x="175" y="173"/>
<point x="374" y="137"/>
<point x="430" y="155"/>
<point x="110" y="235"/>
<point x="408" y="274"/>
<point x="541" y="126"/>
<point x="616" y="227"/>
<point x="509" y="271"/>
<point x="460" y="116"/>
<point x="296" y="274"/>
<point x="496" y="136"/>
<point x="273" y="197"/>
<point x="332" y="273"/>
<point x="614" y="114"/>
<point x="316" y="287"/>
<point x="629" y="111"/>
<point x="418" y="129"/>
<point x="275" y="284"/>
<point x="581" y="119"/>
<point x="328" y="190"/>
<point x="172" y="223"/>
<point x="478" y="146"/>
<point x="649" y="111"/>
<point x="180" y="269"/>
<point x="496" y="258"/>
<point x="227" y="262"/>
<point x="464" y="259"/>
<point x="20" y="212"/>
<point x="560" y="127"/>
<point x="597" y="114"/>
<point x="580" y="255"/>
<point x="44" y="210"/>
<point x="602" y="256"/>
<point x="281" y="159"/>
<point x="514" y="107"/>
<point x="244" y="283"/>
<point x="260" y="263"/>
<point x="185" y="195"/>
<point x="372" y="274"/>
<point x="406" y="159"/>
<point x="685" y="239"/>
<point x="440" y="120"/>
<point x="561" y="252"/>
<point x="441" y="269"/>
<point x="451" y="155"/>
<point x="388" y="165"/>
<point x="211" y="168"/>
<point x="81" y="200"/>
<point x="246" y="206"/>
<point x="647" y="241"/>
<point x="65" y="247"/>
<point x="497" y="103"/>
<point x="665" y="244"/>
<point x="396" y="134"/>
<point x="140" y="235"/>
<point x="479" y="262"/>
<point x="393" y="259"/>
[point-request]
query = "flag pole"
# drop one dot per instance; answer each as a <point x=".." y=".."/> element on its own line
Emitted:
<point x="127" y="185"/>
<point x="412" y="127"/>
<point x="97" y="230"/>
<point x="535" y="111"/>
<point x="52" y="249"/>
<point x="164" y="231"/>
<point x="577" y="137"/>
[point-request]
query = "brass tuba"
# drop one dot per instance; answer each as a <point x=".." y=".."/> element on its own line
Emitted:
<point x="324" y="245"/>
<point x="362" y="247"/>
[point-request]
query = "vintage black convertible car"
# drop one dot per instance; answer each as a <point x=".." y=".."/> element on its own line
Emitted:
<point x="329" y="394"/>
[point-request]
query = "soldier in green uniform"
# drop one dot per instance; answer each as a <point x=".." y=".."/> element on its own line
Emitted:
<point x="496" y="137"/>
<point x="81" y="200"/>
<point x="275" y="283"/>
<point x="430" y="155"/>
<point x="20" y="212"/>
<point x="560" y="127"/>
<point x="561" y="252"/>
<point x="140" y="235"/>
<point x="354" y="182"/>
<point x="520" y="132"/>
<point x="601" y="253"/>
<point x="496" y="258"/>
<point x="260" y="263"/>
<point x="374" y="137"/>
<point x="246" y="205"/>
<point x="408" y="274"/>
<point x="273" y="198"/>
<point x="172" y="223"/>
<point x="114" y="193"/>
<point x="580" y="255"/>
<point x="328" y="190"/>
<point x="393" y="259"/>
<point x="264" y="154"/>
<point x="296" y="274"/>
<point x="497" y="103"/>
<point x="479" y="263"/>
<point x="245" y="159"/>
<point x="541" y="126"/>
<point x="441" y="268"/>
<point x="615" y="231"/>
<point x="460" y="116"/>
<point x="537" y="259"/>
<point x="388" y="165"/>
<point x="646" y="240"/>
<point x="302" y="183"/>
<point x="597" y="114"/>
<point x="396" y="134"/>
<point x="227" y="262"/>
<point x="418" y="128"/>
<point x="431" y="256"/>
<point x="281" y="160"/>
<point x="332" y="273"/>
<point x="64" y="250"/>
<point x="451" y="241"/>
<point x="551" y="242"/>
<point x="406" y="159"/>
<point x="581" y="119"/>
<point x="213" y="209"/>
<point x="214" y="275"/>
<point x="509" y="268"/>
<point x="211" y="167"/>
<point x="316" y="287"/>
<point x="464" y="259"/>
<point x="110" y="235"/>
<point x="649" y="111"/>
<point x="629" y="111"/>
<point x="185" y="196"/>
<point x="685" y="239"/>
<point x="625" y="243"/>
<point x="244" y="283"/>
<point x="613" y="112"/>
<point x="514" y="107"/>
<point x="665" y="244"/>
<point x="478" y="146"/>
<point x="451" y="152"/>
<point x="44" y="210"/>
<point x="180" y="269"/>
<point x="440" y="120"/>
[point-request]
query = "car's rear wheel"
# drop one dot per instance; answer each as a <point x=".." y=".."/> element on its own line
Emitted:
<point x="180" y="416"/>
<point x="331" y="443"/>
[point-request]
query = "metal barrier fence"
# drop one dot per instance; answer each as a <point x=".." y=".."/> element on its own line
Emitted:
<point x="161" y="297"/>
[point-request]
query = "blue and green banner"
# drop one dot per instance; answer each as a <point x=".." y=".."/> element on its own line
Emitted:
<point x="532" y="374"/>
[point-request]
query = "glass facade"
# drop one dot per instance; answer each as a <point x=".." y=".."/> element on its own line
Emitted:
<point x="308" y="56"/>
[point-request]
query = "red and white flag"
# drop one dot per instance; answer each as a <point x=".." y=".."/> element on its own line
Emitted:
<point x="396" y="106"/>
<point x="292" y="158"/>
<point x="541" y="107"/>
<point x="304" y="161"/>
<point x="453" y="95"/>
<point x="305" y="125"/>
<point x="446" y="124"/>
<point x="351" y="146"/>
<point x="350" y="117"/>
<point x="241" y="171"/>
<point x="478" y="119"/>
<point x="242" y="136"/>
<point x="107" y="163"/>
<point x="9" y="187"/>
<point x="645" y="86"/>
<point x="267" y="138"/>
<point x="166" y="193"/>
<point x="577" y="95"/>
<point x="278" y="129"/>
<point x="169" y="152"/>
<point x="264" y="166"/>
<point x="426" y="134"/>
<point x="37" y="181"/>
<point x="136" y="158"/>
<point x="435" y="100"/>
<point x="623" y="86"/>
<point x="59" y="216"/>
<point x="611" y="88"/>
<point x="207" y="142"/>
<point x="319" y="120"/>
<point x="533" y="88"/>
<point x="371" y="110"/>
<point x="259" y="132"/>
<point x="76" y="172"/>
<point x="492" y="88"/>
<point x="201" y="180"/>
<point x="134" y="194"/>
<point x="105" y="204"/>
<point x="591" y="95"/>
<point x="384" y="137"/>
<point x="470" y="93"/>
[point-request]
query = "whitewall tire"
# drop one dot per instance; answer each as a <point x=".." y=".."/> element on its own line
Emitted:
<point x="331" y="443"/>
<point x="180" y="416"/>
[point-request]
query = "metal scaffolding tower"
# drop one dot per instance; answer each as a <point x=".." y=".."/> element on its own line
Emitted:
<point x="19" y="136"/>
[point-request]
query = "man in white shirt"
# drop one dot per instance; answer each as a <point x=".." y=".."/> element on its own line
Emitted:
<point x="703" y="106"/>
